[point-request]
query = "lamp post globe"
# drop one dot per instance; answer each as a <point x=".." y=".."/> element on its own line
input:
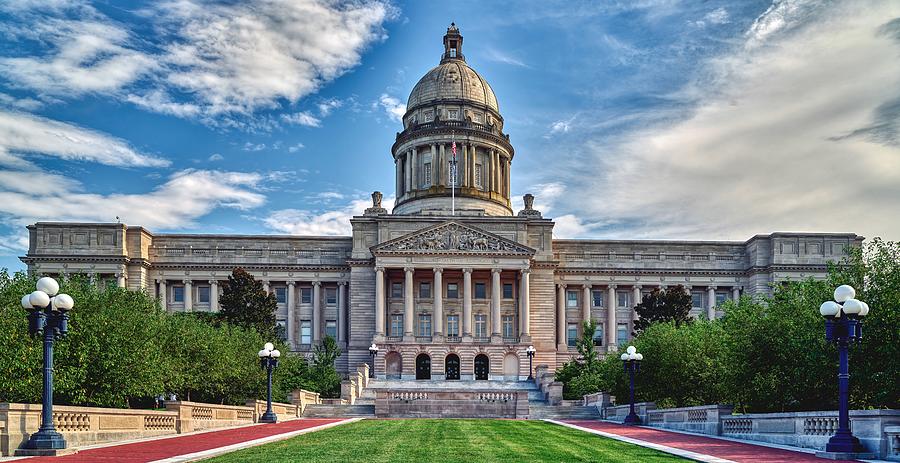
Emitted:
<point x="843" y="327"/>
<point x="268" y="360"/>
<point x="373" y="351"/>
<point x="48" y="317"/>
<point x="631" y="360"/>
<point x="530" y="351"/>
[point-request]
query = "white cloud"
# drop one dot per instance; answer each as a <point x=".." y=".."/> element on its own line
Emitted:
<point x="302" y="118"/>
<point x="327" y="106"/>
<point x="184" y="197"/>
<point x="28" y="104"/>
<point x="782" y="139"/>
<point x="333" y="222"/>
<point x="493" y="54"/>
<point x="23" y="135"/>
<point x="295" y="148"/>
<point x="216" y="157"/>
<point x="254" y="146"/>
<point x="717" y="16"/>
<point x="393" y="107"/>
<point x="561" y="126"/>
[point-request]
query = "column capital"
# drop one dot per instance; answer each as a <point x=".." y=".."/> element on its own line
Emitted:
<point x="467" y="270"/>
<point x="561" y="286"/>
<point x="161" y="280"/>
<point x="317" y="283"/>
<point x="638" y="287"/>
<point x="437" y="270"/>
<point x="342" y="283"/>
<point x="712" y="287"/>
<point x="496" y="270"/>
<point x="612" y="286"/>
<point x="187" y="281"/>
<point x="291" y="283"/>
<point x="213" y="282"/>
<point x="379" y="269"/>
<point x="525" y="271"/>
<point x="409" y="269"/>
<point x="588" y="286"/>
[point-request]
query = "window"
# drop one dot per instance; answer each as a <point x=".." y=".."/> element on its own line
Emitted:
<point x="597" y="297"/>
<point x="305" y="332"/>
<point x="331" y="328"/>
<point x="452" y="291"/>
<point x="427" y="170"/>
<point x="306" y="295"/>
<point x="480" y="325"/>
<point x="571" y="299"/>
<point x="721" y="298"/>
<point x="429" y="116"/>
<point x="571" y="334"/>
<point x="396" y="325"/>
<point x="178" y="293"/>
<point x="623" y="298"/>
<point x="331" y="296"/>
<point x="396" y="290"/>
<point x="424" y="324"/>
<point x="508" y="331"/>
<point x="453" y="325"/>
<point x="697" y="298"/>
<point x="622" y="333"/>
<point x="478" y="118"/>
<point x="424" y="290"/>
<point x="507" y="291"/>
<point x="479" y="182"/>
<point x="203" y="294"/>
<point x="281" y="294"/>
<point x="480" y="291"/>
<point x="598" y="335"/>
<point x="453" y="114"/>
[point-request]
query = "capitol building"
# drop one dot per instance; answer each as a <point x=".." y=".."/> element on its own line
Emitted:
<point x="452" y="283"/>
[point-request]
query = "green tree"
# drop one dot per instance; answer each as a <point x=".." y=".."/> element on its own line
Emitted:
<point x="323" y="374"/>
<point x="245" y="302"/>
<point x="580" y="375"/>
<point x="670" y="305"/>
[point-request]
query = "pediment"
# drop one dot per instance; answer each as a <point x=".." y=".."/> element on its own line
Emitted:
<point x="451" y="238"/>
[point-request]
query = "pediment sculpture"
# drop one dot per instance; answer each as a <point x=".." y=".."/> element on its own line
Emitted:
<point x="452" y="237"/>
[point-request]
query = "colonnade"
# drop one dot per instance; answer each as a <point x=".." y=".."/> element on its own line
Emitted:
<point x="412" y="175"/>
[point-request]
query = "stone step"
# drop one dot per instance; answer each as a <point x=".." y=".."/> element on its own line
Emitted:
<point x="329" y="411"/>
<point x="540" y="411"/>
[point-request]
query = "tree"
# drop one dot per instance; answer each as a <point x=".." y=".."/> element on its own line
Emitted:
<point x="245" y="302"/>
<point x="323" y="374"/>
<point x="580" y="375"/>
<point x="671" y="305"/>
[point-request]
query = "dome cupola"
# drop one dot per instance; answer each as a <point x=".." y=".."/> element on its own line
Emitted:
<point x="452" y="105"/>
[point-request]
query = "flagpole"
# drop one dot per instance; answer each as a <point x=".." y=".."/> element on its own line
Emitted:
<point x="453" y="176"/>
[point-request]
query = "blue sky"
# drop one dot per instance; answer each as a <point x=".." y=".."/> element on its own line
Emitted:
<point x="630" y="119"/>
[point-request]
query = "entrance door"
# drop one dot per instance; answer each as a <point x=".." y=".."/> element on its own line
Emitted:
<point x="451" y="366"/>
<point x="482" y="367"/>
<point x="423" y="366"/>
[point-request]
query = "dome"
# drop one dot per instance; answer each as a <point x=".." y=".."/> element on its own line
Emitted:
<point x="453" y="79"/>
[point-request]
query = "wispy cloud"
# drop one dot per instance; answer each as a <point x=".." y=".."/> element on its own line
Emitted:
<point x="493" y="54"/>
<point x="302" y="118"/>
<point x="296" y="147"/>
<point x="393" y="107"/>
<point x="329" y="222"/>
<point x="248" y="146"/>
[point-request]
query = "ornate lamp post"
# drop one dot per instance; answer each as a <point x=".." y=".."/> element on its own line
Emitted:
<point x="47" y="316"/>
<point x="631" y="359"/>
<point x="843" y="326"/>
<point x="530" y="352"/>
<point x="268" y="359"/>
<point x="373" y="351"/>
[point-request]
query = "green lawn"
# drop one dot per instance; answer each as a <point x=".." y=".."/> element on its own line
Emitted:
<point x="446" y="441"/>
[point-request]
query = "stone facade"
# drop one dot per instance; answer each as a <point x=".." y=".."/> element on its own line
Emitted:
<point x="450" y="284"/>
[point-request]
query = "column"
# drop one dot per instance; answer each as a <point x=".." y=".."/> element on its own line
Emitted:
<point x="736" y="293"/>
<point x="317" y="311"/>
<point x="435" y="167"/>
<point x="342" y="311"/>
<point x="467" y="302"/>
<point x="508" y="177"/>
<point x="379" y="301"/>
<point x="496" y="297"/>
<point x="611" y="316"/>
<point x="120" y="279"/>
<point x="636" y="296"/>
<point x="586" y="304"/>
<point x="561" y="316"/>
<point x="525" y="303"/>
<point x="397" y="178"/>
<point x="444" y="178"/>
<point x="290" y="312"/>
<point x="471" y="176"/>
<point x="438" y="292"/>
<point x="496" y="171"/>
<point x="464" y="165"/>
<point x="162" y="294"/>
<point x="711" y="302"/>
<point x="213" y="295"/>
<point x="415" y="170"/>
<point x="408" y="302"/>
<point x="188" y="296"/>
<point x="408" y="171"/>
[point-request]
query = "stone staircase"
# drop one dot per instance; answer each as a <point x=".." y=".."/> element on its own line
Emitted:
<point x="543" y="411"/>
<point x="339" y="411"/>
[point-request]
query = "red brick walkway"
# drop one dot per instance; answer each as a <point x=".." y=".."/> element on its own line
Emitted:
<point x="719" y="448"/>
<point x="152" y="450"/>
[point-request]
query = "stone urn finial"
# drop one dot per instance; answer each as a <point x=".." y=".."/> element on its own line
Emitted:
<point x="376" y="199"/>
<point x="529" y="201"/>
<point x="529" y="210"/>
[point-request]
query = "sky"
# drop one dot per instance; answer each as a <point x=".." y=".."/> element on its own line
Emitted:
<point x="632" y="119"/>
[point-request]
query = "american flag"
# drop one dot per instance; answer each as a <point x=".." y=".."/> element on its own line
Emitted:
<point x="453" y="150"/>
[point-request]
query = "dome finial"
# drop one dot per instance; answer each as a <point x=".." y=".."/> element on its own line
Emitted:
<point x="453" y="44"/>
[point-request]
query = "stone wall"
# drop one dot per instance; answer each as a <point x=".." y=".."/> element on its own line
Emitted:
<point x="440" y="403"/>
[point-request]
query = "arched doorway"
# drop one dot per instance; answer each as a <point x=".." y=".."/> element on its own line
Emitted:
<point x="423" y="366"/>
<point x="511" y="367"/>
<point x="393" y="365"/>
<point x="482" y="367"/>
<point x="451" y="366"/>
